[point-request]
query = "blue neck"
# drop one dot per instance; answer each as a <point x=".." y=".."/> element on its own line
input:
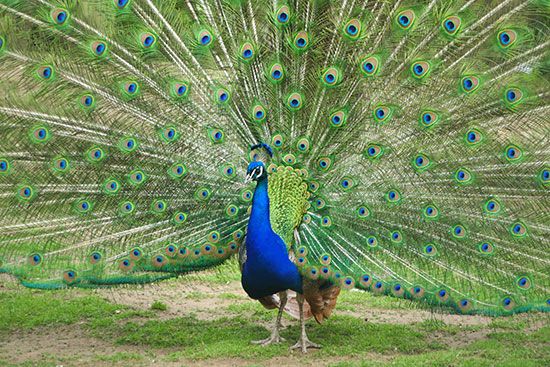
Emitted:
<point x="259" y="224"/>
<point x="267" y="269"/>
<point x="260" y="202"/>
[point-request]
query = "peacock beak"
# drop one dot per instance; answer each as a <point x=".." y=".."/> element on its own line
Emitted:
<point x="248" y="177"/>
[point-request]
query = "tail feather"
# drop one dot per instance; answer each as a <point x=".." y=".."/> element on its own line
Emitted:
<point x="420" y="129"/>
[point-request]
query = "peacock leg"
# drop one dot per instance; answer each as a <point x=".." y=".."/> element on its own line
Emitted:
<point x="275" y="337"/>
<point x="303" y="343"/>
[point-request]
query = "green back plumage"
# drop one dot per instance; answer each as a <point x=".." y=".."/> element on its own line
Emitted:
<point x="420" y="128"/>
<point x="288" y="200"/>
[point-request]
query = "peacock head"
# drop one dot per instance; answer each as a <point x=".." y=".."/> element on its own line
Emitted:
<point x="260" y="154"/>
<point x="256" y="171"/>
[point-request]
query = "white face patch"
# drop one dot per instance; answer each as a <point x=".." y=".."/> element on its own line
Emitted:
<point x="252" y="175"/>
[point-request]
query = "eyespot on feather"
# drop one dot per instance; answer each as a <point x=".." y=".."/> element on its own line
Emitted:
<point x="486" y="248"/>
<point x="130" y="89"/>
<point x="363" y="212"/>
<point x="513" y="96"/>
<point x="5" y="166"/>
<point x="276" y="73"/>
<point x="111" y="186"/>
<point x="428" y="119"/>
<point x="180" y="89"/>
<point x="39" y="134"/>
<point x="397" y="290"/>
<point x="513" y="154"/>
<point x="127" y="144"/>
<point x="70" y="277"/>
<point x="430" y="212"/>
<point x="136" y="177"/>
<point x="524" y="282"/>
<point x="417" y="292"/>
<point x="469" y="84"/>
<point x="430" y="250"/>
<point x="338" y="118"/>
<point x="99" y="48"/>
<point x="83" y="206"/>
<point x="294" y="101"/>
<point x="147" y="40"/>
<point x="352" y="29"/>
<point x="59" y="16"/>
<point x="324" y="163"/>
<point x="282" y="15"/>
<point x="95" y="154"/>
<point x="442" y="295"/>
<point x="421" y="162"/>
<point x="508" y="303"/>
<point x="372" y="241"/>
<point x="247" y="52"/>
<point x="382" y="113"/>
<point x="45" y="72"/>
<point x="177" y="170"/>
<point x="405" y="19"/>
<point x="374" y="151"/>
<point x="492" y="206"/>
<point x="203" y="194"/>
<point x="35" y="259"/>
<point x="451" y="25"/>
<point x="420" y="69"/>
<point x="473" y="137"/>
<point x="458" y="231"/>
<point x="301" y="41"/>
<point x="303" y="145"/>
<point x="331" y="77"/>
<point x="158" y="206"/>
<point x="204" y="38"/>
<point x="222" y="96"/>
<point x="370" y="66"/>
<point x="518" y="229"/>
<point x="87" y="101"/>
<point x="506" y="38"/>
<point x="396" y="237"/>
<point x="463" y="176"/>
<point x="95" y="257"/>
<point x="126" y="207"/>
<point x="365" y="281"/>
<point x="169" y="134"/>
<point x="393" y="196"/>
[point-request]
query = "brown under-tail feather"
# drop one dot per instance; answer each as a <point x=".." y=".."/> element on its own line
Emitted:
<point x="321" y="297"/>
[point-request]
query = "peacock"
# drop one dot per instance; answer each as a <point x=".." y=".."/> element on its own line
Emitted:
<point x="396" y="147"/>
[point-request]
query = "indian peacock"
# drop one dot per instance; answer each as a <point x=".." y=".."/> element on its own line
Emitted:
<point x="397" y="147"/>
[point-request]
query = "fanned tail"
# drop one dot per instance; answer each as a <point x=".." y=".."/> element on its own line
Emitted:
<point x="421" y="130"/>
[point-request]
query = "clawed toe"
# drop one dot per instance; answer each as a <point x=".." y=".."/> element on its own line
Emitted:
<point x="273" y="339"/>
<point x="304" y="344"/>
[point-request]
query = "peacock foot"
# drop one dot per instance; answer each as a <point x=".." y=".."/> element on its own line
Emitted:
<point x="275" y="338"/>
<point x="303" y="343"/>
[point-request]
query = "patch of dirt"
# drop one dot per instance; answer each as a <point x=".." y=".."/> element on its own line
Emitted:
<point x="384" y="316"/>
<point x="202" y="300"/>
<point x="460" y="339"/>
<point x="61" y="343"/>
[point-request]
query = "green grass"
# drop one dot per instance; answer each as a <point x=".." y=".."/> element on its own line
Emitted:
<point x="136" y="337"/>
<point x="159" y="306"/>
<point x="26" y="310"/>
